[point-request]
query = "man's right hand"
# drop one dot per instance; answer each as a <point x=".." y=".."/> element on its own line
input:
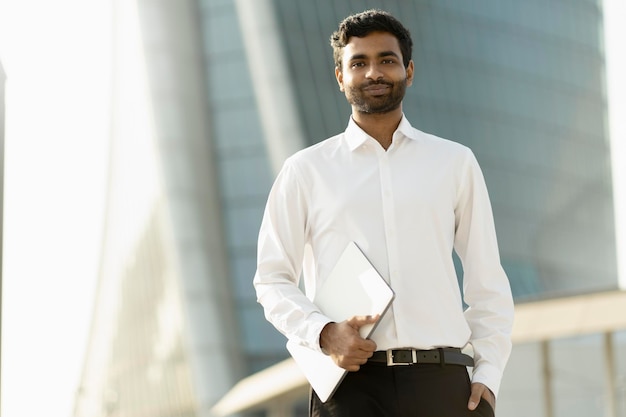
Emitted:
<point x="345" y="345"/>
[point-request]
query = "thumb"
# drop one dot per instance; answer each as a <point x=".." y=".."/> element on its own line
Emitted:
<point x="477" y="392"/>
<point x="357" y="322"/>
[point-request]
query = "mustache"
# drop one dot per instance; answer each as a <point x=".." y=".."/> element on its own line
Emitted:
<point x="377" y="82"/>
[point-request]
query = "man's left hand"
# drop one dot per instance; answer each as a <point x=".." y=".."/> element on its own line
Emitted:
<point x="480" y="392"/>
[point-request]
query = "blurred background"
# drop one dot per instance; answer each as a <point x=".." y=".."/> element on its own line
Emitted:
<point x="140" y="139"/>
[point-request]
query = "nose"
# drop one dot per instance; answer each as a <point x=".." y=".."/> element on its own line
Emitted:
<point x="373" y="72"/>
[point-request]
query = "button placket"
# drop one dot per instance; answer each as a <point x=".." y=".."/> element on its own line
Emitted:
<point x="388" y="205"/>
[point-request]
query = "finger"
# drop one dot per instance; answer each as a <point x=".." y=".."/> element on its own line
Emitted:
<point x="353" y="368"/>
<point x="357" y="322"/>
<point x="364" y="350"/>
<point x="369" y="346"/>
<point x="489" y="397"/>
<point x="350" y="363"/>
<point x="477" y="392"/>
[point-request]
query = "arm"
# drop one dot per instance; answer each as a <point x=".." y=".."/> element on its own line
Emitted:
<point x="282" y="240"/>
<point x="281" y="244"/>
<point x="485" y="285"/>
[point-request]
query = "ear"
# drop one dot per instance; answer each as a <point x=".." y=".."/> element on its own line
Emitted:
<point x="339" y="77"/>
<point x="410" y="72"/>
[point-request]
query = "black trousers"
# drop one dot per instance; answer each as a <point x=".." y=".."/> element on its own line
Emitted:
<point x="377" y="390"/>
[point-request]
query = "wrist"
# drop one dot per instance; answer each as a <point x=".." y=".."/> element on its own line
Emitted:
<point x="324" y="337"/>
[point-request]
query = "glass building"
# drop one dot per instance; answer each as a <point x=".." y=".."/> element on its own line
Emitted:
<point x="3" y="78"/>
<point x="210" y="96"/>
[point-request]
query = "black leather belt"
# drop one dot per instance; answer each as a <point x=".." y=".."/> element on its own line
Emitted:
<point x="442" y="356"/>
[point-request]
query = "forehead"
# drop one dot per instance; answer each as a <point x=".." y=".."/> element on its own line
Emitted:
<point x="371" y="45"/>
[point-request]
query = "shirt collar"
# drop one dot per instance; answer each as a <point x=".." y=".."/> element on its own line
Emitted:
<point x="355" y="136"/>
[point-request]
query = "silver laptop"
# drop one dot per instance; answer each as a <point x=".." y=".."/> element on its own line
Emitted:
<point x="353" y="288"/>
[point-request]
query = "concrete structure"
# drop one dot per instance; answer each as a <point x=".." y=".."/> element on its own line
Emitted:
<point x="211" y="95"/>
<point x="3" y="78"/>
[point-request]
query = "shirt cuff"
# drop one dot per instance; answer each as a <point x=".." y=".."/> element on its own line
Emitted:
<point x="488" y="375"/>
<point x="317" y="322"/>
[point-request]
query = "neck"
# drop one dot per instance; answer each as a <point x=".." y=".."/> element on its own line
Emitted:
<point x="380" y="126"/>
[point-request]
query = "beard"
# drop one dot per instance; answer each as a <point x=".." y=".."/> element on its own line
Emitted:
<point x="365" y="103"/>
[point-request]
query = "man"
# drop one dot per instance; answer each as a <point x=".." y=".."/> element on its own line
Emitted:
<point x="407" y="199"/>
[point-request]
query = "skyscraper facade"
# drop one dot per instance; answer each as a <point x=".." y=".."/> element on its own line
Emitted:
<point x="232" y="87"/>
<point x="2" y="118"/>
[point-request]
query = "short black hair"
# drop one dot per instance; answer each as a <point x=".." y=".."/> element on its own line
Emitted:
<point x="364" y="23"/>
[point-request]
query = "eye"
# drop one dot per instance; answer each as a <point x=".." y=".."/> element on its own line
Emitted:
<point x="388" y="61"/>
<point x="357" y="64"/>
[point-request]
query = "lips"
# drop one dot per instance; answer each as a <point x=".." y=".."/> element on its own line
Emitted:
<point x="378" y="88"/>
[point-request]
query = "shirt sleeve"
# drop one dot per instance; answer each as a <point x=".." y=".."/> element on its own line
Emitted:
<point x="486" y="287"/>
<point x="281" y="247"/>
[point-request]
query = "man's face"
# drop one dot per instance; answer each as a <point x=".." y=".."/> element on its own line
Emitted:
<point x="373" y="76"/>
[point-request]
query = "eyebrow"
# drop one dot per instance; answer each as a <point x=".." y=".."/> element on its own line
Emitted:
<point x="379" y="55"/>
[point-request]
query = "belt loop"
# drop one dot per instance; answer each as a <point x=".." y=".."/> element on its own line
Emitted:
<point x="442" y="360"/>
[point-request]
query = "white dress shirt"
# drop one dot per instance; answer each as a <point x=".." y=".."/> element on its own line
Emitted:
<point x="407" y="208"/>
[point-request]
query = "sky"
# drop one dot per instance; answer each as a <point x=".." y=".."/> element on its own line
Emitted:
<point x="57" y="58"/>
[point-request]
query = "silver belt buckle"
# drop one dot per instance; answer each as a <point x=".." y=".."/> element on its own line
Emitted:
<point x="390" y="361"/>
